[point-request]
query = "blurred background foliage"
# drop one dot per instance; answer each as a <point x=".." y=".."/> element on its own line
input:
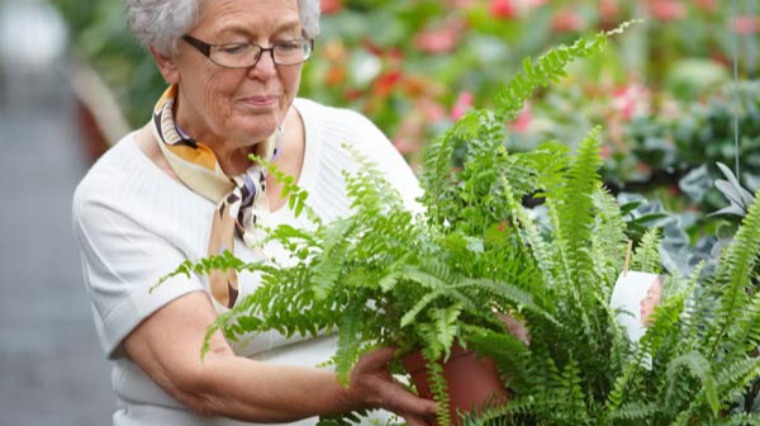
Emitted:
<point x="663" y="91"/>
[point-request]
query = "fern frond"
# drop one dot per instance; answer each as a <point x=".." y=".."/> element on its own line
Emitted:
<point x="633" y="412"/>
<point x="438" y="385"/>
<point x="440" y="331"/>
<point x="296" y="195"/>
<point x="734" y="273"/>
<point x="573" y="392"/>
<point x="349" y="344"/>
<point x="335" y="241"/>
<point x="511" y="355"/>
<point x="548" y="68"/>
<point x="699" y="367"/>
<point x="575" y="200"/>
<point x="646" y="258"/>
<point x="741" y="419"/>
<point x="608" y="240"/>
<point x="738" y="374"/>
<point x="531" y="239"/>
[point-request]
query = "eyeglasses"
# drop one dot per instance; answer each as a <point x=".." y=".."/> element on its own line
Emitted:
<point x="246" y="55"/>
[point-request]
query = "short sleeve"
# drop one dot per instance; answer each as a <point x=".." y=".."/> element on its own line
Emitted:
<point x="121" y="261"/>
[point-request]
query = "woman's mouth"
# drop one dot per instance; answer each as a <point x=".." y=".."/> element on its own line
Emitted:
<point x="261" y="101"/>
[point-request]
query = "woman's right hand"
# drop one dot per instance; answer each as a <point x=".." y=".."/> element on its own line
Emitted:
<point x="373" y="386"/>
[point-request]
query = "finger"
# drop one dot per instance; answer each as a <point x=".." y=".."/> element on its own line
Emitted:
<point x="400" y="400"/>
<point x="413" y="420"/>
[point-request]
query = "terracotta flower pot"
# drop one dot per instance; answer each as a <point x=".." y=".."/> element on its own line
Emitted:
<point x="473" y="382"/>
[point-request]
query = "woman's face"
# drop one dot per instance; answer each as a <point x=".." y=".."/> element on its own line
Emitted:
<point x="650" y="301"/>
<point x="238" y="106"/>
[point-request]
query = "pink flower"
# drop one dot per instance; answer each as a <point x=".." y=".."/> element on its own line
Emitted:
<point x="461" y="4"/>
<point x="462" y="104"/>
<point x="503" y="9"/>
<point x="408" y="137"/>
<point x="707" y="5"/>
<point x="609" y="9"/>
<point x="440" y="40"/>
<point x="605" y="151"/>
<point x="431" y="110"/>
<point x="567" y="20"/>
<point x="631" y="101"/>
<point x="331" y="6"/>
<point x="532" y="4"/>
<point x="747" y="24"/>
<point x="406" y="145"/>
<point x="667" y="10"/>
<point x="523" y="121"/>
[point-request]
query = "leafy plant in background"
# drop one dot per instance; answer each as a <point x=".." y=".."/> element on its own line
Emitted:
<point x="416" y="67"/>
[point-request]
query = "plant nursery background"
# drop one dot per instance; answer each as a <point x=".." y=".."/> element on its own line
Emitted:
<point x="675" y="95"/>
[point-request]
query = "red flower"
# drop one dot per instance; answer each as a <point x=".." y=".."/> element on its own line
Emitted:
<point x="643" y="168"/>
<point x="372" y="47"/>
<point x="352" y="94"/>
<point x="331" y="6"/>
<point x="335" y="76"/>
<point x="503" y="9"/>
<point x="386" y="82"/>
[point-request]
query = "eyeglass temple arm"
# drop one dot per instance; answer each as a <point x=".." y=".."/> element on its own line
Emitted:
<point x="202" y="47"/>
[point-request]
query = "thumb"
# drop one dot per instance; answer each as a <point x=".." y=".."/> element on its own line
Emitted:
<point x="378" y="357"/>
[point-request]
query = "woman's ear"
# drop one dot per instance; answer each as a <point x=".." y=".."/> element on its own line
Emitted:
<point x="166" y="65"/>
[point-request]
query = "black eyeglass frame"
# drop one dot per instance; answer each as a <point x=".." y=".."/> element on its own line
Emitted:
<point x="205" y="49"/>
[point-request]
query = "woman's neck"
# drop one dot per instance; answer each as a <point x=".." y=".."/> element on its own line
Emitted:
<point x="231" y="155"/>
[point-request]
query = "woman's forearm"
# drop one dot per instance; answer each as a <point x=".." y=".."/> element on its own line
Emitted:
<point x="167" y="347"/>
<point x="249" y="390"/>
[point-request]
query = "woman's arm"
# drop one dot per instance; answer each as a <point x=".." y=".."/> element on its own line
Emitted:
<point x="167" y="347"/>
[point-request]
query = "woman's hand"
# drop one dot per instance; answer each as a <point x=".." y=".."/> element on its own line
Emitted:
<point x="516" y="327"/>
<point x="371" y="383"/>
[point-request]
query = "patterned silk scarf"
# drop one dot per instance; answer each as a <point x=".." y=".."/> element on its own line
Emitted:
<point x="242" y="201"/>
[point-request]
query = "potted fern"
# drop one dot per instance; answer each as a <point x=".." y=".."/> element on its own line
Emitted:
<point x="432" y="282"/>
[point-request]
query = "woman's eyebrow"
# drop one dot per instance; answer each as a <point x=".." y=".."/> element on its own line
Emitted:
<point x="244" y="30"/>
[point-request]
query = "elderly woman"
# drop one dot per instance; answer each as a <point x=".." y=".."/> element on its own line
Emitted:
<point x="183" y="187"/>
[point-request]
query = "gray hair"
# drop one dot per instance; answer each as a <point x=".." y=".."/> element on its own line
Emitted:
<point x="161" y="23"/>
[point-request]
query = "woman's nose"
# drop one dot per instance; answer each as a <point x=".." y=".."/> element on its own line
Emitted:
<point x="265" y="66"/>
